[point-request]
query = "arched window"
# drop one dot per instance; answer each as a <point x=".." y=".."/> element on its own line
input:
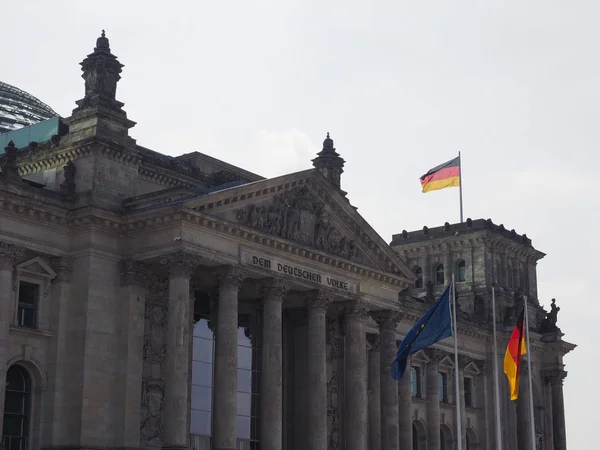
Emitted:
<point x="442" y="440"/>
<point x="461" y="274"/>
<point x="439" y="274"/>
<point x="419" y="275"/>
<point x="415" y="438"/>
<point x="15" y="431"/>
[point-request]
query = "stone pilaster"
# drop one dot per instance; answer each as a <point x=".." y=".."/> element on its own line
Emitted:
<point x="356" y="376"/>
<point x="462" y="363"/>
<point x="405" y="436"/>
<point x="388" y="321"/>
<point x="374" y="393"/>
<point x="555" y="379"/>
<point x="317" y="371"/>
<point x="58" y="379"/>
<point x="226" y="355"/>
<point x="9" y="255"/>
<point x="177" y="366"/>
<point x="135" y="279"/>
<point x="433" y="399"/>
<point x="271" y="393"/>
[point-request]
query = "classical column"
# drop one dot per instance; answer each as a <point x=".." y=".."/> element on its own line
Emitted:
<point x="432" y="374"/>
<point x="556" y="378"/>
<point x="374" y="393"/>
<point x="226" y="355"/>
<point x="387" y="321"/>
<point x="317" y="371"/>
<point x="134" y="281"/>
<point x="405" y="410"/>
<point x="9" y="255"/>
<point x="271" y="382"/>
<point x="177" y="365"/>
<point x="356" y="376"/>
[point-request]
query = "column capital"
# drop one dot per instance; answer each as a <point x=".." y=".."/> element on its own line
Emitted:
<point x="356" y="309"/>
<point x="232" y="275"/>
<point x="133" y="273"/>
<point x="274" y="288"/>
<point x="373" y="341"/>
<point x="435" y="355"/>
<point x="63" y="266"/>
<point x="180" y="262"/>
<point x="555" y="377"/>
<point x="9" y="254"/>
<point x="319" y="300"/>
<point x="387" y="318"/>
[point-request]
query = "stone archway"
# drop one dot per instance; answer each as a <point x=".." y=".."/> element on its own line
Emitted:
<point x="446" y="438"/>
<point x="419" y="435"/>
<point x="471" y="440"/>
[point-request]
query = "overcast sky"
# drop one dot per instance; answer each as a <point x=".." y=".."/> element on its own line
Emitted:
<point x="401" y="86"/>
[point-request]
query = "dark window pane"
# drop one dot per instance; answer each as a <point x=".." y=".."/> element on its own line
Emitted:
<point x="203" y="350"/>
<point x="244" y="357"/>
<point x="14" y="403"/>
<point x="26" y="316"/>
<point x="419" y="281"/>
<point x="243" y="427"/>
<point x="200" y="442"/>
<point x="439" y="274"/>
<point x="28" y="293"/>
<point x="201" y="398"/>
<point x="201" y="374"/>
<point x="201" y="329"/>
<point x="244" y="381"/>
<point x="13" y="425"/>
<point x="200" y="422"/>
<point x="462" y="271"/>
<point x="244" y="403"/>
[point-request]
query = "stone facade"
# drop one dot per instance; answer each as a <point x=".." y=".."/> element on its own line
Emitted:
<point x="149" y="301"/>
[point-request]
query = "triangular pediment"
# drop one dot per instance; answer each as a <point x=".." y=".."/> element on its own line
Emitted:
<point x="36" y="266"/>
<point x="305" y="209"/>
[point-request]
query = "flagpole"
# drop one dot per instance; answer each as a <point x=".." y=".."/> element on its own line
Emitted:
<point x="457" y="395"/>
<point x="531" y="412"/>
<point x="460" y="185"/>
<point x="496" y="383"/>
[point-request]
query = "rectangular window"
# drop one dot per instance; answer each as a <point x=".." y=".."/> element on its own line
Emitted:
<point x="468" y="384"/>
<point x="442" y="388"/>
<point x="415" y="381"/>
<point x="28" y="302"/>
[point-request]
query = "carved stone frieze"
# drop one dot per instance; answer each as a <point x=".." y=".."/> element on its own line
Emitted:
<point x="68" y="186"/>
<point x="297" y="215"/>
<point x="387" y="318"/>
<point x="333" y="349"/>
<point x="180" y="262"/>
<point x="9" y="254"/>
<point x="153" y="375"/>
<point x="133" y="272"/>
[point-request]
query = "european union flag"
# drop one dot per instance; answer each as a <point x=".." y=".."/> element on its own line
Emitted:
<point x="434" y="326"/>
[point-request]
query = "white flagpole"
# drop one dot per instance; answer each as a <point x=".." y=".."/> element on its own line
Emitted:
<point x="531" y="412"/>
<point x="460" y="185"/>
<point x="457" y="394"/>
<point x="496" y="383"/>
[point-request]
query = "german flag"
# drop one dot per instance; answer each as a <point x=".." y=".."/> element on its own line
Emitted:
<point x="443" y="176"/>
<point x="512" y="359"/>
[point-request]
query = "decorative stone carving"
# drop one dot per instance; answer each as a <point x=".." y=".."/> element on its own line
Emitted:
<point x="231" y="275"/>
<point x="180" y="261"/>
<point x="356" y="309"/>
<point x="333" y="343"/>
<point x="275" y="288"/>
<point x="133" y="272"/>
<point x="549" y="323"/>
<point x="153" y="375"/>
<point x="555" y="377"/>
<point x="435" y="355"/>
<point x="63" y="266"/>
<point x="10" y="254"/>
<point x="223" y="177"/>
<point x="297" y="215"/>
<point x="68" y="186"/>
<point x="319" y="299"/>
<point x="10" y="169"/>
<point x="387" y="318"/>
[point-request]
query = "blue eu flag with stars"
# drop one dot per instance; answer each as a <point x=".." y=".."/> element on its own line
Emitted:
<point x="434" y="326"/>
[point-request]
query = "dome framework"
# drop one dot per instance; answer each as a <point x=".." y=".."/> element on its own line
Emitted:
<point x="19" y="109"/>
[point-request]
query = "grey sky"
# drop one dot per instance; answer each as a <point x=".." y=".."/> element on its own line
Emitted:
<point x="401" y="86"/>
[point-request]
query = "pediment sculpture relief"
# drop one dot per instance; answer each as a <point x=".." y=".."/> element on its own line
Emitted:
<point x="297" y="215"/>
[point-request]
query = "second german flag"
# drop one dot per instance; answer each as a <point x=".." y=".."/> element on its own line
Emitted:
<point x="442" y="176"/>
<point x="512" y="359"/>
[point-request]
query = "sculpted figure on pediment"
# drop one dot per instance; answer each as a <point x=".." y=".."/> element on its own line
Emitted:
<point x="297" y="215"/>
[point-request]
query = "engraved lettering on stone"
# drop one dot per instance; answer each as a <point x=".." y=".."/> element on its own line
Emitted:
<point x="299" y="216"/>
